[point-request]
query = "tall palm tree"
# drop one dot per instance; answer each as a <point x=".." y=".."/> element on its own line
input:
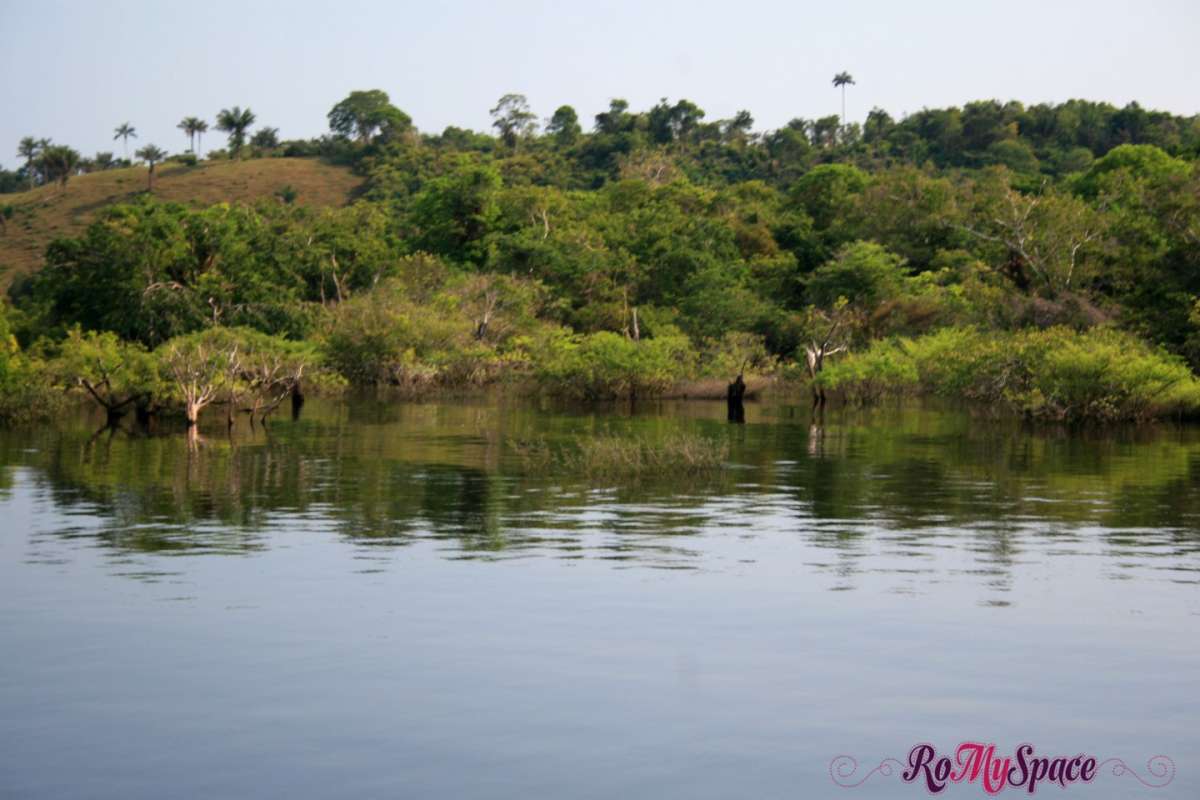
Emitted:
<point x="151" y="155"/>
<point x="28" y="149"/>
<point x="190" y="126"/>
<point x="201" y="129"/>
<point x="123" y="132"/>
<point x="841" y="80"/>
<point x="235" y="121"/>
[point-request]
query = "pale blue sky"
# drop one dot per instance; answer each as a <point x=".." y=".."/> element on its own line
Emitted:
<point x="74" y="70"/>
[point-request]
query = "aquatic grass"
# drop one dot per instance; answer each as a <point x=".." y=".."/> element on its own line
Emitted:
<point x="611" y="455"/>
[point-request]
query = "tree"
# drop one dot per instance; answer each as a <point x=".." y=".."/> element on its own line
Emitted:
<point x="829" y="332"/>
<point x="841" y="81"/>
<point x="454" y="213"/>
<point x="201" y="366"/>
<point x="864" y="273"/>
<point x="1044" y="238"/>
<point x="738" y="128"/>
<point x="235" y="122"/>
<point x="269" y="370"/>
<point x="617" y="119"/>
<point x="151" y="155"/>
<point x="29" y="149"/>
<point x="368" y="114"/>
<point x="564" y="126"/>
<point x="670" y="123"/>
<point x="116" y="374"/>
<point x="265" y="138"/>
<point x="123" y="132"/>
<point x="191" y="127"/>
<point x="59" y="163"/>
<point x="201" y="129"/>
<point x="513" y="118"/>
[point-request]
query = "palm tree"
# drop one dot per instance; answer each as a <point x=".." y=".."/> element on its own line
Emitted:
<point x="59" y="163"/>
<point x="123" y="132"/>
<point x="151" y="155"/>
<point x="201" y="129"/>
<point x="841" y="80"/>
<point x="190" y="126"/>
<point x="28" y="149"/>
<point x="235" y="121"/>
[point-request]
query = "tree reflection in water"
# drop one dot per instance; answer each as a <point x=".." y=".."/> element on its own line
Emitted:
<point x="879" y="491"/>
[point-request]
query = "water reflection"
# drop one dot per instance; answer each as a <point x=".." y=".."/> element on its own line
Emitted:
<point x="918" y="495"/>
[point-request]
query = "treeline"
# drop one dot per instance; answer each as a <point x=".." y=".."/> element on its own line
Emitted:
<point x="661" y="247"/>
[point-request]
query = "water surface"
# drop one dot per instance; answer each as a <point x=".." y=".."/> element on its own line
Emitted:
<point x="380" y="600"/>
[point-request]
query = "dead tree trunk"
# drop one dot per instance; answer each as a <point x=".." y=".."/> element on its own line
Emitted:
<point x="297" y="400"/>
<point x="735" y="393"/>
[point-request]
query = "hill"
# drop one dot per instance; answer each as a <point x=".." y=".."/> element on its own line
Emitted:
<point x="46" y="213"/>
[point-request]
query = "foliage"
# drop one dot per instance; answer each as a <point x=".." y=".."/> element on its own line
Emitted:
<point x="235" y="122"/>
<point x="662" y="246"/>
<point x="367" y="116"/>
<point x="1055" y="373"/>
<point x="114" y="373"/>
<point x="433" y="330"/>
<point x="608" y="365"/>
<point x="27" y="390"/>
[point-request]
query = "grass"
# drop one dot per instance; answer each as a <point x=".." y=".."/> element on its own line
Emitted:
<point x="613" y="456"/>
<point x="46" y="213"/>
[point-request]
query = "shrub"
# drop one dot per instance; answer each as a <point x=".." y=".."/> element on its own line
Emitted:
<point x="607" y="365"/>
<point x="868" y="376"/>
<point x="1101" y="374"/>
<point x="467" y="332"/>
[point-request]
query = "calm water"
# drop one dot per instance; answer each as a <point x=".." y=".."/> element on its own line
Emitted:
<point x="378" y="601"/>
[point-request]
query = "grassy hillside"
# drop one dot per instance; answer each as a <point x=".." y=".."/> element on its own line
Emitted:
<point x="47" y="213"/>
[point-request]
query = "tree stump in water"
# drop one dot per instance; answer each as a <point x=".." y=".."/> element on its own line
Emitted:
<point x="297" y="401"/>
<point x="734" y="395"/>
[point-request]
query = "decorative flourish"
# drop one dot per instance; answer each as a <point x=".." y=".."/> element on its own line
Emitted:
<point x="842" y="769"/>
<point x="1160" y="767"/>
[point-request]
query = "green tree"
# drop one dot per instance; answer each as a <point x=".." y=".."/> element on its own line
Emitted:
<point x="841" y="81"/>
<point x="29" y="149"/>
<point x="191" y="127"/>
<point x="367" y="114"/>
<point x="59" y="163"/>
<point x="453" y="214"/>
<point x="152" y="155"/>
<point x="114" y="373"/>
<point x="864" y="273"/>
<point x="513" y="119"/>
<point x="1048" y="239"/>
<point x="235" y="122"/>
<point x="201" y="129"/>
<point x="265" y="138"/>
<point x="564" y="126"/>
<point x="124" y="132"/>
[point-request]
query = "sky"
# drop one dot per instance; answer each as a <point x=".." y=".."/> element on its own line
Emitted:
<point x="73" y="71"/>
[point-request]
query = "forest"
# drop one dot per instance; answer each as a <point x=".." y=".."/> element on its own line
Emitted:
<point x="1043" y="259"/>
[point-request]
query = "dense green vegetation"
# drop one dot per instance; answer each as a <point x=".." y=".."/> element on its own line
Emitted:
<point x="1044" y="257"/>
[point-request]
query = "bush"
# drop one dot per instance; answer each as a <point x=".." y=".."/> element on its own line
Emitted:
<point x="607" y="365"/>
<point x="1102" y="374"/>
<point x="467" y="332"/>
<point x="866" y="377"/>
<point x="27" y="390"/>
